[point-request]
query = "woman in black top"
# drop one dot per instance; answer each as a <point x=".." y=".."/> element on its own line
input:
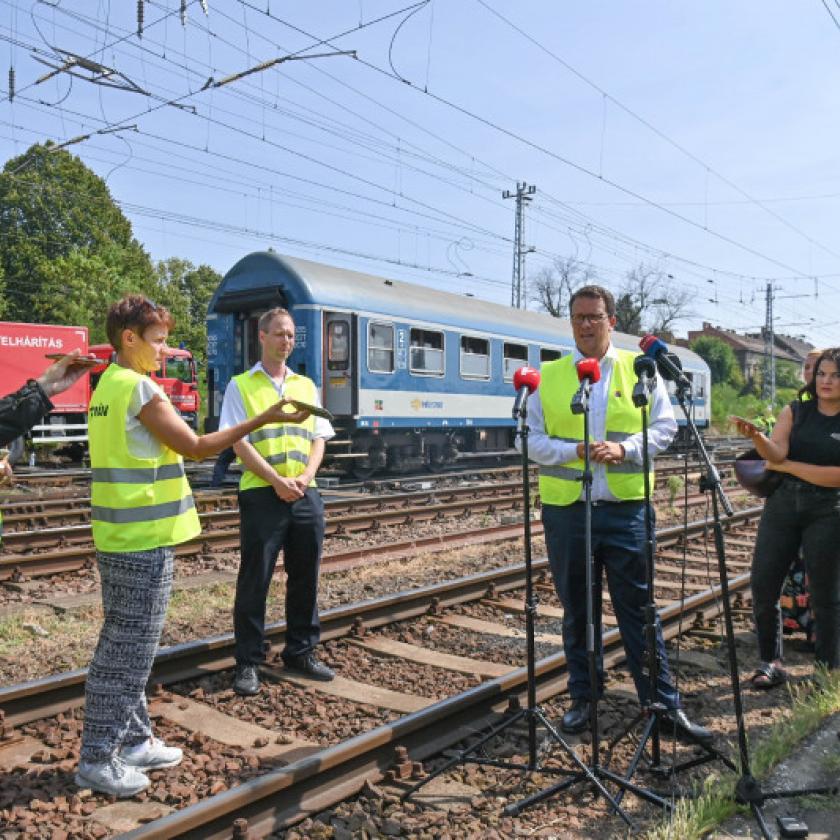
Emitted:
<point x="805" y="510"/>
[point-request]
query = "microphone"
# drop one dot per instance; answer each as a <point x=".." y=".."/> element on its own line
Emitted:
<point x="645" y="368"/>
<point x="589" y="372"/>
<point x="669" y="365"/>
<point x="526" y="380"/>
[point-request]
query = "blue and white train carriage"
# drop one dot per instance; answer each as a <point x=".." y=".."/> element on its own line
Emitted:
<point x="414" y="376"/>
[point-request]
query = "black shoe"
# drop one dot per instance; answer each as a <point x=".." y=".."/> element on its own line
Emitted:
<point x="577" y="718"/>
<point x="246" y="680"/>
<point x="675" y="722"/>
<point x="310" y="666"/>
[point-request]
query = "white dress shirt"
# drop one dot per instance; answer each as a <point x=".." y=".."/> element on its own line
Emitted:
<point x="233" y="409"/>
<point x="546" y="450"/>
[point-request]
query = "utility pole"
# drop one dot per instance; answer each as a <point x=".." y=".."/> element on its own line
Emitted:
<point x="768" y="386"/>
<point x="519" y="285"/>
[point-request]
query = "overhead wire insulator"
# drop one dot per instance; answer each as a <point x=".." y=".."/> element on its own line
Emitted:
<point x="183" y="12"/>
<point x="140" y="11"/>
<point x="11" y="84"/>
<point x="204" y="6"/>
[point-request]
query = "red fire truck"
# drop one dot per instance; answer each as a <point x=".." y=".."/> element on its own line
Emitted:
<point x="177" y="377"/>
<point x="23" y="349"/>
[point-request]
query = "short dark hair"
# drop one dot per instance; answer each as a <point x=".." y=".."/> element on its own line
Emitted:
<point x="598" y="292"/>
<point x="267" y="317"/>
<point x="135" y="312"/>
<point x="831" y="354"/>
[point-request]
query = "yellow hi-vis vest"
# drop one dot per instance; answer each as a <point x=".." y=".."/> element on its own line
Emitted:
<point x="137" y="504"/>
<point x="561" y="484"/>
<point x="285" y="446"/>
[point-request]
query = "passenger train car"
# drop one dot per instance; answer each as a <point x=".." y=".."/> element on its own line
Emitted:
<point x="415" y="377"/>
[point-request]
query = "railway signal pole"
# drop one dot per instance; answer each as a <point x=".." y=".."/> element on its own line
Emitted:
<point x="519" y="285"/>
<point x="768" y="385"/>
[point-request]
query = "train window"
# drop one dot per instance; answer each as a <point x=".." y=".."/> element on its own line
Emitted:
<point x="426" y="352"/>
<point x="548" y="354"/>
<point x="515" y="356"/>
<point x="380" y="348"/>
<point x="338" y="345"/>
<point x="475" y="357"/>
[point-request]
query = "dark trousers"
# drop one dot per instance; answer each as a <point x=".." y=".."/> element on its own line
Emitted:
<point x="268" y="525"/>
<point x="618" y="544"/>
<point x="799" y="514"/>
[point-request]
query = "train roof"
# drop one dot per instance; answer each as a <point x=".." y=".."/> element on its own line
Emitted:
<point x="268" y="278"/>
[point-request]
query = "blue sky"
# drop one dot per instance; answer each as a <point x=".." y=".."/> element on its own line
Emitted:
<point x="699" y="138"/>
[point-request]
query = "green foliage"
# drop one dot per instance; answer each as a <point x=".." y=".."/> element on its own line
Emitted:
<point x="675" y="486"/>
<point x="788" y="375"/>
<point x="720" y="358"/>
<point x="186" y="291"/>
<point x="56" y="214"/>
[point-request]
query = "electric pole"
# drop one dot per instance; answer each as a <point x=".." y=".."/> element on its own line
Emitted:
<point x="768" y="386"/>
<point x="519" y="285"/>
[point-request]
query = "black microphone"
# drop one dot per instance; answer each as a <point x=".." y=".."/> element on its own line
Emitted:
<point x="589" y="372"/>
<point x="669" y="365"/>
<point x="645" y="368"/>
<point x="526" y="380"/>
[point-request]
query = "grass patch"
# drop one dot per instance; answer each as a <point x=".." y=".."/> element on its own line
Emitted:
<point x="695" y="818"/>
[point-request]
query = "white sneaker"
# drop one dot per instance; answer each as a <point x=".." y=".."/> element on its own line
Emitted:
<point x="111" y="776"/>
<point x="151" y="754"/>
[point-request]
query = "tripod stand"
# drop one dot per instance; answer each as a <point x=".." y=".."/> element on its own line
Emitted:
<point x="594" y="773"/>
<point x="652" y="710"/>
<point x="533" y="714"/>
<point x="748" y="789"/>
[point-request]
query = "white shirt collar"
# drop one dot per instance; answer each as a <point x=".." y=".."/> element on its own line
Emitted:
<point x="611" y="354"/>
<point x="259" y="366"/>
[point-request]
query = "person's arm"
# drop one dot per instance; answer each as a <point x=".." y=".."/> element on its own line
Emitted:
<point x="286" y="488"/>
<point x="316" y="455"/>
<point x="813" y="474"/>
<point x="774" y="448"/>
<point x="163" y="421"/>
<point x="20" y="411"/>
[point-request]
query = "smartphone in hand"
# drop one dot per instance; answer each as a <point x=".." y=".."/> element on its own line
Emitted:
<point x="87" y="361"/>
<point x="748" y="423"/>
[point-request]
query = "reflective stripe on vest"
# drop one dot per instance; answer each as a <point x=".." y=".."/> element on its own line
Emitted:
<point x="137" y="504"/>
<point x="561" y="484"/>
<point x="286" y="446"/>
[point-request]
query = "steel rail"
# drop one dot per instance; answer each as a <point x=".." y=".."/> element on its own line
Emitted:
<point x="25" y="702"/>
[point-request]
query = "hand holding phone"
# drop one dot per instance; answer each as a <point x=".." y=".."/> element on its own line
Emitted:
<point x="86" y="361"/>
<point x="744" y="426"/>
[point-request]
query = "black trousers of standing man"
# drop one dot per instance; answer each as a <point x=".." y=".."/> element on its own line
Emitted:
<point x="269" y="525"/>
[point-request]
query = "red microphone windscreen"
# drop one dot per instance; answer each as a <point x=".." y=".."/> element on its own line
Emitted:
<point x="588" y="369"/>
<point x="527" y="377"/>
<point x="646" y="342"/>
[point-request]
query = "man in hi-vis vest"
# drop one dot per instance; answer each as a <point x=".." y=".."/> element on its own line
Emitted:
<point x="618" y="531"/>
<point x="280" y="507"/>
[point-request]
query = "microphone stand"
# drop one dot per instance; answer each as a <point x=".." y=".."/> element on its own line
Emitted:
<point x="653" y="710"/>
<point x="748" y="789"/>
<point x="533" y="713"/>
<point x="594" y="774"/>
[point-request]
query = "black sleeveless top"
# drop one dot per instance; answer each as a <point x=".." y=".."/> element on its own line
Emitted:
<point x="814" y="438"/>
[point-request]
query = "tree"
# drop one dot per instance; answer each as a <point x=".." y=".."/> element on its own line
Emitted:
<point x="186" y="291"/>
<point x="648" y="301"/>
<point x="552" y="287"/>
<point x="53" y="209"/>
<point x="720" y="358"/>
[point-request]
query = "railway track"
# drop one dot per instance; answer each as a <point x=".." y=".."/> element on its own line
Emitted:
<point x="314" y="776"/>
<point x="46" y="551"/>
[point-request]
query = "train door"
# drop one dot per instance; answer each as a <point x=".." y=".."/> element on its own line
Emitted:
<point x="251" y="348"/>
<point x="339" y="362"/>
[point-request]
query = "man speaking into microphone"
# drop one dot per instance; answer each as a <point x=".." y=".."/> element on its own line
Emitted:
<point x="618" y="532"/>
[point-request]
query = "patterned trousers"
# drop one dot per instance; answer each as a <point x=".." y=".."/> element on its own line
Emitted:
<point x="135" y="594"/>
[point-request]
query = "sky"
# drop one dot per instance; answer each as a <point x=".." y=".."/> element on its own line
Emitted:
<point x="697" y="139"/>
